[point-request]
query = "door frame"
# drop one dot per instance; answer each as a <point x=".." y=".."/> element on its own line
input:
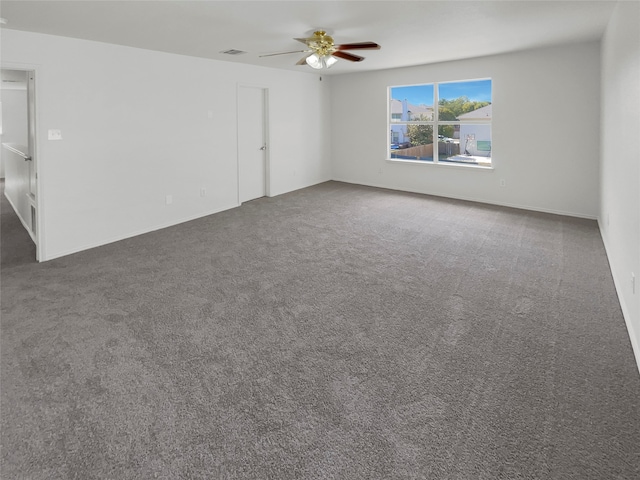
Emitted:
<point x="267" y="138"/>
<point x="35" y="150"/>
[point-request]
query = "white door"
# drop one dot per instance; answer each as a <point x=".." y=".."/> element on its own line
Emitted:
<point x="252" y="147"/>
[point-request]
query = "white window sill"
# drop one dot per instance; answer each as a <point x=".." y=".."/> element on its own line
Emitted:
<point x="442" y="164"/>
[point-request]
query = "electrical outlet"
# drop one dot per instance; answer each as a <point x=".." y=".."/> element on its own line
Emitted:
<point x="169" y="199"/>
<point x="203" y="192"/>
<point x="55" y="135"/>
<point x="503" y="182"/>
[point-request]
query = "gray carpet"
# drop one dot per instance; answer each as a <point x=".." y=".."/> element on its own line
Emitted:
<point x="16" y="247"/>
<point x="336" y="332"/>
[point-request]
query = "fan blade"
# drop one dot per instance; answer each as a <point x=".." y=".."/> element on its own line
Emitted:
<point x="282" y="53"/>
<point x="358" y="46"/>
<point x="305" y="40"/>
<point x="303" y="60"/>
<point x="348" y="56"/>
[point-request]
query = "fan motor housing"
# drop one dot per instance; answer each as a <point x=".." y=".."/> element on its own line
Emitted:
<point x="321" y="43"/>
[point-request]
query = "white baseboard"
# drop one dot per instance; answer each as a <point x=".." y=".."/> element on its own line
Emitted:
<point x="135" y="233"/>
<point x="62" y="253"/>
<point x="304" y="185"/>
<point x="472" y="199"/>
<point x="633" y="337"/>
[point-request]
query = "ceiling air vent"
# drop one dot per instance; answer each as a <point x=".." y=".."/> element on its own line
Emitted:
<point x="233" y="51"/>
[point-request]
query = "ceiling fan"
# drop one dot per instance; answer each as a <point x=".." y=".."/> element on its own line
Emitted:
<point x="323" y="52"/>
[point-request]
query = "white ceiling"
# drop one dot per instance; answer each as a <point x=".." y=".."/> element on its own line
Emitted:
<point x="410" y="32"/>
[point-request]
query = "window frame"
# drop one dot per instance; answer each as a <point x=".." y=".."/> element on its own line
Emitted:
<point x="435" y="123"/>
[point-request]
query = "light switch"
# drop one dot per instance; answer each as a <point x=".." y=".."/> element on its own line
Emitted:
<point x="55" y="135"/>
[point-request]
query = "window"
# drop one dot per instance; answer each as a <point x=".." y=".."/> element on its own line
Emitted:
<point x="462" y="121"/>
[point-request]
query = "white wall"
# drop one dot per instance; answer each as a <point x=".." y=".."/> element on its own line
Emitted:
<point x="620" y="168"/>
<point x="545" y="130"/>
<point x="136" y="128"/>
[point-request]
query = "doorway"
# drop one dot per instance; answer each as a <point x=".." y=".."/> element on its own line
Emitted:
<point x="252" y="143"/>
<point x="19" y="159"/>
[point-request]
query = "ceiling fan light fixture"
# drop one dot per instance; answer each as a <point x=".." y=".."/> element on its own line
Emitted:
<point x="314" y="61"/>
<point x="320" y="61"/>
<point x="322" y="52"/>
<point x="329" y="60"/>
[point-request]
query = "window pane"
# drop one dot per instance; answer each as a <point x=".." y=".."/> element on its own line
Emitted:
<point x="448" y="141"/>
<point x="464" y="100"/>
<point x="413" y="142"/>
<point x="470" y="143"/>
<point x="413" y="103"/>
